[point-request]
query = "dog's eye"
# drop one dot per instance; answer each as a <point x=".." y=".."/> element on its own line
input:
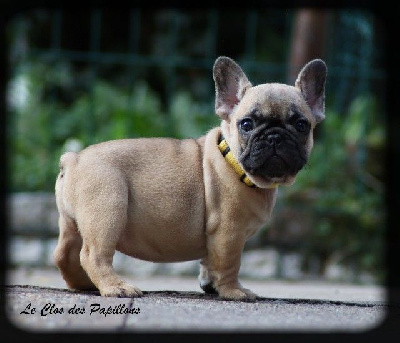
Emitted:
<point x="302" y="125"/>
<point x="247" y="125"/>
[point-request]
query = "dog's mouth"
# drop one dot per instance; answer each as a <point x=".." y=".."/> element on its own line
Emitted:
<point x="273" y="161"/>
<point x="275" y="171"/>
<point x="273" y="167"/>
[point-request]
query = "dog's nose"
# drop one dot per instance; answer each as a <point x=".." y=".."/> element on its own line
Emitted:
<point x="274" y="139"/>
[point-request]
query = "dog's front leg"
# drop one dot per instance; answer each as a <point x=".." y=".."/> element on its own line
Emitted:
<point x="206" y="282"/>
<point x="222" y="264"/>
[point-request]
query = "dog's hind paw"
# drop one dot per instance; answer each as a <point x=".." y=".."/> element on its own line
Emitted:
<point x="121" y="291"/>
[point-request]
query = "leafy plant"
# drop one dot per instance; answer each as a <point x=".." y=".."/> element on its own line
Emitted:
<point x="42" y="125"/>
<point x="343" y="190"/>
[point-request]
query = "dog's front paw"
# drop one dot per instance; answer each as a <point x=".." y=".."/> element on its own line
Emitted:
<point x="236" y="293"/>
<point x="121" y="291"/>
<point x="208" y="287"/>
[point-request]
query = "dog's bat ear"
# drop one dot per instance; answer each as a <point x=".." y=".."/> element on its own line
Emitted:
<point x="230" y="85"/>
<point x="311" y="82"/>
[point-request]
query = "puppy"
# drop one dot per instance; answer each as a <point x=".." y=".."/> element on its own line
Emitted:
<point x="169" y="200"/>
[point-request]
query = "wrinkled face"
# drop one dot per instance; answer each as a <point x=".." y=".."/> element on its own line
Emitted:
<point x="273" y="127"/>
<point x="269" y="127"/>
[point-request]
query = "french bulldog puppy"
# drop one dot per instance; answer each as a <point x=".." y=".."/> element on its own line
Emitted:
<point x="169" y="200"/>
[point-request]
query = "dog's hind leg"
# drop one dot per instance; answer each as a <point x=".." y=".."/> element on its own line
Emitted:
<point x="101" y="224"/>
<point x="66" y="255"/>
<point x="96" y="257"/>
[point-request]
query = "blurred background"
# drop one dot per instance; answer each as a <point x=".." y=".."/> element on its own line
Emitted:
<point x="82" y="77"/>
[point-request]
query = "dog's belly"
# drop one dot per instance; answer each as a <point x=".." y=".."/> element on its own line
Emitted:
<point x="164" y="243"/>
<point x="166" y="231"/>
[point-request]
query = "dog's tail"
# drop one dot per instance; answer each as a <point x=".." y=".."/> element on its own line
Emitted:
<point x="67" y="161"/>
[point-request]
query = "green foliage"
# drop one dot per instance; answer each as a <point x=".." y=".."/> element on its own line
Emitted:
<point x="190" y="119"/>
<point x="41" y="125"/>
<point x="342" y="188"/>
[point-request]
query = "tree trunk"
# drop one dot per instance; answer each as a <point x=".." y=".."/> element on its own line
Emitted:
<point x="308" y="39"/>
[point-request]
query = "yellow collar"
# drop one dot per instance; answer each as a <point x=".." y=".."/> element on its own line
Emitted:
<point x="227" y="154"/>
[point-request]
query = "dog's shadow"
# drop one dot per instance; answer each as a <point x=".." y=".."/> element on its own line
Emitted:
<point x="189" y="295"/>
<point x="169" y="294"/>
<point x="192" y="295"/>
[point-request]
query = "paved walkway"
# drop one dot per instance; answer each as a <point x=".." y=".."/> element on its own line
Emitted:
<point x="268" y="288"/>
<point x="175" y="303"/>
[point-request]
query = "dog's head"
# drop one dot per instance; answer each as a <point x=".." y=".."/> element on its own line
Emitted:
<point x="269" y="127"/>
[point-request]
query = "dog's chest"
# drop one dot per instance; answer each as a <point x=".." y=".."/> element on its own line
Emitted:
<point x="259" y="210"/>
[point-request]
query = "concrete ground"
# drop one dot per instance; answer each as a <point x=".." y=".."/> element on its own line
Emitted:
<point x="38" y="301"/>
<point x="268" y="288"/>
